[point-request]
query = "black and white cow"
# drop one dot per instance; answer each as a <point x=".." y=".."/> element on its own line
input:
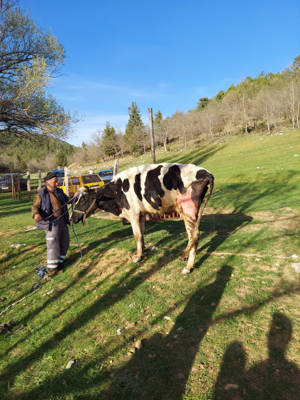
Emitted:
<point x="153" y="189"/>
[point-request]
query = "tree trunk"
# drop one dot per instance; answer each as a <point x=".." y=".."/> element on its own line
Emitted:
<point x="245" y="114"/>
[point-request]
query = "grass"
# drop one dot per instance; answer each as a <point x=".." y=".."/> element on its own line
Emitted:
<point x="231" y="328"/>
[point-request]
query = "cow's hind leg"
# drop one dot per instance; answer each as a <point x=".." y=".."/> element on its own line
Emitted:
<point x="189" y="227"/>
<point x="192" y="213"/>
<point x="138" y="226"/>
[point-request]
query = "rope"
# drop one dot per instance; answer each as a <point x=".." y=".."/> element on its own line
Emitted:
<point x="75" y="236"/>
<point x="19" y="301"/>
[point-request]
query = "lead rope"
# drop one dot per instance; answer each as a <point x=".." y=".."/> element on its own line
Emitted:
<point x="41" y="272"/>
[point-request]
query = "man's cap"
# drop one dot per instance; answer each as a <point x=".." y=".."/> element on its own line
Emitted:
<point x="49" y="176"/>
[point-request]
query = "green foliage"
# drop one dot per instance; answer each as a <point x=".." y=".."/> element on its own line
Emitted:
<point x="296" y="63"/>
<point x="109" y="141"/>
<point x="219" y="96"/>
<point x="28" y="57"/>
<point x="21" y="149"/>
<point x="21" y="163"/>
<point x="134" y="129"/>
<point x="85" y="151"/>
<point x="158" y="118"/>
<point x="61" y="158"/>
<point x="144" y="331"/>
<point x="202" y="103"/>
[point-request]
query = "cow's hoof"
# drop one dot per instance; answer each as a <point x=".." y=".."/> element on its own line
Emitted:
<point x="186" y="271"/>
<point x="137" y="259"/>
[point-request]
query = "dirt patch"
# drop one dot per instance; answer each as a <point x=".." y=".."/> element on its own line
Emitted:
<point x="8" y="233"/>
<point x="287" y="219"/>
<point x="109" y="262"/>
<point x="105" y="215"/>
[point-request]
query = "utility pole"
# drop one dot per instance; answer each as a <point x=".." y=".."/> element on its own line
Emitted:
<point x="152" y="135"/>
<point x="66" y="181"/>
<point x="40" y="180"/>
<point x="28" y="185"/>
<point x="116" y="165"/>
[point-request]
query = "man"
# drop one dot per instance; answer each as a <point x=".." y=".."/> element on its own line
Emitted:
<point x="50" y="213"/>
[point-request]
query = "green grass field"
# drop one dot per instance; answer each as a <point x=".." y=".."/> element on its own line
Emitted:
<point x="229" y="330"/>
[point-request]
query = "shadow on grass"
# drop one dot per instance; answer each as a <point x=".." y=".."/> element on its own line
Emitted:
<point x="117" y="291"/>
<point x="275" y="378"/>
<point x="161" y="368"/>
<point x="267" y="195"/>
<point x="196" y="318"/>
<point x="193" y="157"/>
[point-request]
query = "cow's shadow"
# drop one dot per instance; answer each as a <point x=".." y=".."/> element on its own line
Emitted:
<point x="160" y="369"/>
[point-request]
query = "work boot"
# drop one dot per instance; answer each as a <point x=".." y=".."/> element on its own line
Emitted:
<point x="52" y="271"/>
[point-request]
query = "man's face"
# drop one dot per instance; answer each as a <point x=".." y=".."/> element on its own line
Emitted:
<point x="51" y="183"/>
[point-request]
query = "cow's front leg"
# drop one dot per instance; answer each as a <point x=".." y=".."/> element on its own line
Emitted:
<point x="191" y="248"/>
<point x="142" y="227"/>
<point x="138" y="233"/>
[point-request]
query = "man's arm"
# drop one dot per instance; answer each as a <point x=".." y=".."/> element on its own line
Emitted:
<point x="35" y="208"/>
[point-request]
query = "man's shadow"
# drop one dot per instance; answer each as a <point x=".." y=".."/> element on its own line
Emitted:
<point x="161" y="368"/>
<point x="275" y="378"/>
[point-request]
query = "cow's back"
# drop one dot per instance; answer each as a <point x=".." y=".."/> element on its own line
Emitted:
<point x="154" y="187"/>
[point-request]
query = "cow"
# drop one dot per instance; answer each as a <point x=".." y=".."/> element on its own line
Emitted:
<point x="152" y="189"/>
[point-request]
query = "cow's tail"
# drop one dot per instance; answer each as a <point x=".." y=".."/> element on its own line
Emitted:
<point x="209" y="181"/>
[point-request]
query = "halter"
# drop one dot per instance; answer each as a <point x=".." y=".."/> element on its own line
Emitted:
<point x="85" y="213"/>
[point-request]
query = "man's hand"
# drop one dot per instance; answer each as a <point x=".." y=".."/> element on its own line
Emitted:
<point x="38" y="218"/>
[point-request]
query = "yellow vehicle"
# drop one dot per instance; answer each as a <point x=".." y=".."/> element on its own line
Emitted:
<point x="92" y="181"/>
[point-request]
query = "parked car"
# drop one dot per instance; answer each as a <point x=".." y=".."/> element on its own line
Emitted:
<point x="106" y="175"/>
<point x="6" y="182"/>
<point x="92" y="181"/>
<point x="58" y="172"/>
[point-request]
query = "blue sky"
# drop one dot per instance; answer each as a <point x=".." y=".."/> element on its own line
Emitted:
<point x="163" y="54"/>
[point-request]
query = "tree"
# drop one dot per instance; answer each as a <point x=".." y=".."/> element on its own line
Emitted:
<point x="28" y="58"/>
<point x="61" y="158"/>
<point x="109" y="141"/>
<point x="134" y="134"/>
<point x="84" y="152"/>
<point x="160" y="131"/>
<point x="202" y="103"/>
<point x="296" y="63"/>
<point x="219" y="96"/>
<point x="158" y="118"/>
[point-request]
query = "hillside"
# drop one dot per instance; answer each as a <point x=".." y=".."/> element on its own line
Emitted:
<point x="144" y="330"/>
<point x="247" y="169"/>
<point x="19" y="150"/>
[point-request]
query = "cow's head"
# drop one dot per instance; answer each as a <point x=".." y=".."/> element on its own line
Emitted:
<point x="85" y="205"/>
<point x="109" y="199"/>
<point x="88" y="201"/>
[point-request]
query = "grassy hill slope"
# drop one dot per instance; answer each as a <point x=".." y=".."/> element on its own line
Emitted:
<point x="18" y="149"/>
<point x="252" y="172"/>
<point x="230" y="329"/>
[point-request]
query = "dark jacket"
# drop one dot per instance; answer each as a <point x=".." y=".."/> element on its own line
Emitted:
<point x="46" y="207"/>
